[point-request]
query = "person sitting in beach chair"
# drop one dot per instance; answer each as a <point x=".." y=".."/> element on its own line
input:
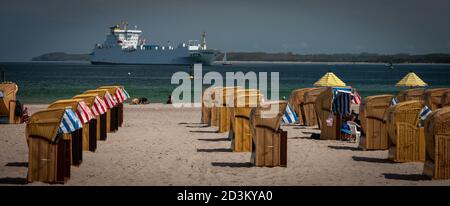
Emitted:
<point x="350" y="129"/>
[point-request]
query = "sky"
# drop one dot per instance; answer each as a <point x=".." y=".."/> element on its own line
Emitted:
<point x="32" y="27"/>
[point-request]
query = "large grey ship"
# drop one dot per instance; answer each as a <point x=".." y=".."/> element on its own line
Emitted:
<point x="125" y="46"/>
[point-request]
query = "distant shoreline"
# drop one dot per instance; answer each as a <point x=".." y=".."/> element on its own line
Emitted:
<point x="217" y="63"/>
<point x="330" y="63"/>
<point x="262" y="57"/>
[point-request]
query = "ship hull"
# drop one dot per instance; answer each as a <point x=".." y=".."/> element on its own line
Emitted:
<point x="179" y="56"/>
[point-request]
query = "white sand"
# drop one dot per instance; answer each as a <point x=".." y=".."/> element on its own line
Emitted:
<point x="161" y="145"/>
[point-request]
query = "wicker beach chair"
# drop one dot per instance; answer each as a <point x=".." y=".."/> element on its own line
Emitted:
<point x="433" y="97"/>
<point x="48" y="152"/>
<point x="310" y="97"/>
<point x="323" y="107"/>
<point x="240" y="133"/>
<point x="297" y="100"/>
<point x="206" y="106"/>
<point x="8" y="92"/>
<point x="323" y="110"/>
<point x="269" y="142"/>
<point x="407" y="138"/>
<point x="445" y="99"/>
<point x="76" y="138"/>
<point x="233" y="100"/>
<point x="437" y="135"/>
<point x="110" y="117"/>
<point x="372" y="111"/>
<point x="225" y="111"/>
<point x="216" y="94"/>
<point x="410" y="94"/>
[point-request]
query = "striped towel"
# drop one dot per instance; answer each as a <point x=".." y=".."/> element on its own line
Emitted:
<point x="99" y="106"/>
<point x="120" y="95"/>
<point x="425" y="112"/>
<point x="69" y="122"/>
<point x="394" y="101"/>
<point x="289" y="116"/>
<point x="84" y="113"/>
<point x="109" y="100"/>
<point x="356" y="98"/>
<point x="126" y="93"/>
<point x="341" y="103"/>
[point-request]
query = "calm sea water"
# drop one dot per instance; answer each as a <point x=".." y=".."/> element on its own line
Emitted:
<point x="47" y="82"/>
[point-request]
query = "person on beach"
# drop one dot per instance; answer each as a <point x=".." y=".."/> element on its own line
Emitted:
<point x="169" y="99"/>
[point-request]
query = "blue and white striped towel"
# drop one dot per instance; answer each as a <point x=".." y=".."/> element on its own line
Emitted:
<point x="394" y="101"/>
<point x="289" y="116"/>
<point x="425" y="112"/>
<point x="69" y="122"/>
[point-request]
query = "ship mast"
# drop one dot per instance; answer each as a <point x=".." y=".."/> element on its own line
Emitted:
<point x="204" y="41"/>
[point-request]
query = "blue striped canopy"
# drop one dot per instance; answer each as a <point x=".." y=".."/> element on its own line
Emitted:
<point x="69" y="122"/>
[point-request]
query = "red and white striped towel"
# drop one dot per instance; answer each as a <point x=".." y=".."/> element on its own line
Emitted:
<point x="356" y="98"/>
<point x="99" y="106"/>
<point x="84" y="113"/>
<point x="109" y="100"/>
<point x="120" y="95"/>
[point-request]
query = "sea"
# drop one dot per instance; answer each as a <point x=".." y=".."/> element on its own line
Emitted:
<point x="45" y="82"/>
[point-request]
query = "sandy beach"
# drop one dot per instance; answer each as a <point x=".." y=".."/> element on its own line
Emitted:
<point x="162" y="145"/>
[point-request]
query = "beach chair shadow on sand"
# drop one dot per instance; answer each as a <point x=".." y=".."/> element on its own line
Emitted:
<point x="202" y="131"/>
<point x="214" y="140"/>
<point x="232" y="164"/>
<point x="344" y="148"/>
<point x="13" y="181"/>
<point x="215" y="150"/>
<point x="371" y="159"/>
<point x="17" y="164"/>
<point x="408" y="177"/>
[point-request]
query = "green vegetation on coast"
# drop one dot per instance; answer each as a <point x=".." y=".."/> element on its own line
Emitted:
<point x="291" y="57"/>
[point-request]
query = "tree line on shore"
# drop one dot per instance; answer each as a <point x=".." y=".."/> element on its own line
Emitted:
<point x="361" y="57"/>
<point x="291" y="57"/>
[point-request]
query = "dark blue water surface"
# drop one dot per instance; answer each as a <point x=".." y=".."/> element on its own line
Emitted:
<point x="41" y="82"/>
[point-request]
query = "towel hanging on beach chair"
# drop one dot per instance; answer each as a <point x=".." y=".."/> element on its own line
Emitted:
<point x="84" y="113"/>
<point x="394" y="101"/>
<point x="126" y="93"/>
<point x="69" y="122"/>
<point x="109" y="100"/>
<point x="424" y="113"/>
<point x="99" y="106"/>
<point x="356" y="98"/>
<point x="289" y="116"/>
<point x="341" y="103"/>
<point x="120" y="95"/>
